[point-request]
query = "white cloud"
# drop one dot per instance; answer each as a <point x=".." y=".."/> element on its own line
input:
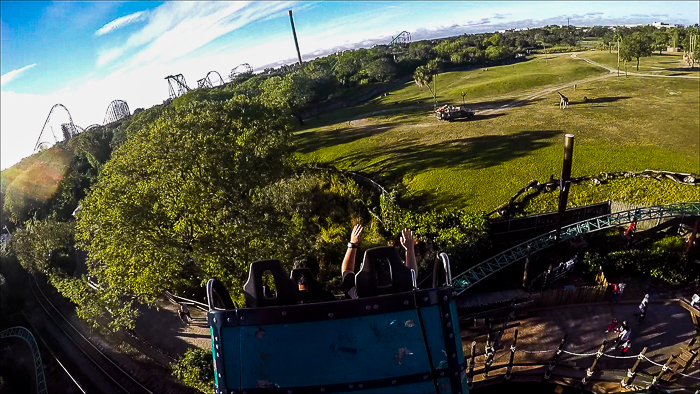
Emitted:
<point x="7" y="77"/>
<point x="119" y="23"/>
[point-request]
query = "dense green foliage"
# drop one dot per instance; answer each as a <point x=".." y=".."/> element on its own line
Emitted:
<point x="44" y="245"/>
<point x="663" y="259"/>
<point x="181" y="197"/>
<point x="196" y="369"/>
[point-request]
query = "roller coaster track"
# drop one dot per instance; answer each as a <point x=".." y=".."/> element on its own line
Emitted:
<point x="105" y="375"/>
<point x="206" y="82"/>
<point x="69" y="126"/>
<point x="21" y="332"/>
<point x="403" y="38"/>
<point x="234" y="72"/>
<point x="180" y="84"/>
<point x="486" y="268"/>
<point x="117" y="110"/>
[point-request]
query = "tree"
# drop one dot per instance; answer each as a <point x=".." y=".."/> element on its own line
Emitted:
<point x="195" y="369"/>
<point x="660" y="40"/>
<point x="176" y="204"/>
<point x="44" y="245"/>
<point x="496" y="52"/>
<point x="635" y="46"/>
<point x="423" y="75"/>
<point x="290" y="93"/>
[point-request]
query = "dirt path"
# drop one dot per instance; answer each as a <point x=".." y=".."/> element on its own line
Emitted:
<point x="613" y="70"/>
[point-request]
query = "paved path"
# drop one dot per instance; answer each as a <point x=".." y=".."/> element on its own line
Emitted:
<point x="666" y="328"/>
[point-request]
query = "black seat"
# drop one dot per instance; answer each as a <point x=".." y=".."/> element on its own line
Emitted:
<point x="383" y="272"/>
<point x="314" y="289"/>
<point x="217" y="295"/>
<point x="285" y="288"/>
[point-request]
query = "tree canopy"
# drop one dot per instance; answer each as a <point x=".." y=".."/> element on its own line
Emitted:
<point x="178" y="198"/>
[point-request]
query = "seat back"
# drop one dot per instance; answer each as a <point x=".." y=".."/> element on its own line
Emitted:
<point x="314" y="289"/>
<point x="382" y="272"/>
<point x="285" y="288"/>
<point x="217" y="295"/>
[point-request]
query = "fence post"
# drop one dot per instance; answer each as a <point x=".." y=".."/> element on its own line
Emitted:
<point x="489" y="355"/>
<point x="470" y="375"/>
<point x="663" y="369"/>
<point x="627" y="380"/>
<point x="499" y="335"/>
<point x="589" y="371"/>
<point x="549" y="370"/>
<point x="512" y="354"/>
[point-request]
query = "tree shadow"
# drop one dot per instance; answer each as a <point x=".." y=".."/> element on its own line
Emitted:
<point x="686" y="69"/>
<point x="409" y="156"/>
<point x="479" y="117"/>
<point x="313" y="141"/>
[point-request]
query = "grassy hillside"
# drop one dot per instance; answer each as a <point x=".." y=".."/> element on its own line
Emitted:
<point x="630" y="123"/>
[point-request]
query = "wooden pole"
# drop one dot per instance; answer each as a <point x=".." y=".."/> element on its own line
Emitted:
<point x="512" y="354"/>
<point x="470" y="375"/>
<point x="549" y="370"/>
<point x="589" y="371"/>
<point x="499" y="335"/>
<point x="627" y="380"/>
<point x="663" y="369"/>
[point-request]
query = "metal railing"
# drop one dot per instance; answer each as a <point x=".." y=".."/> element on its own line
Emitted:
<point x="21" y="332"/>
<point x="472" y="276"/>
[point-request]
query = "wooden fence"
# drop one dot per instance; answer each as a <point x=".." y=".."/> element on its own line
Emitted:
<point x="578" y="295"/>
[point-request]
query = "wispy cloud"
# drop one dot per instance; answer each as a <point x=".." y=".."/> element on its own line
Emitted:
<point x="7" y="77"/>
<point x="120" y="22"/>
<point x="175" y="29"/>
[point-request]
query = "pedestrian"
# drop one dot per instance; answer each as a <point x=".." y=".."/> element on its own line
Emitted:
<point x="616" y="292"/>
<point x="643" y="309"/>
<point x="612" y="325"/>
<point x="625" y="347"/>
<point x="624" y="337"/>
<point x="620" y="288"/>
<point x="185" y="311"/>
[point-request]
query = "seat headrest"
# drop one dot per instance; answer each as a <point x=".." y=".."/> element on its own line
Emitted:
<point x="382" y="272"/>
<point x="285" y="288"/>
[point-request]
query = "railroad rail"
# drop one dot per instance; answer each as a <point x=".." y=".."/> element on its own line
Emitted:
<point x="105" y="374"/>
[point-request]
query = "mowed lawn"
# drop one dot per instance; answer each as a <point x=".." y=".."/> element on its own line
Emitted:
<point x="668" y="63"/>
<point x="624" y="124"/>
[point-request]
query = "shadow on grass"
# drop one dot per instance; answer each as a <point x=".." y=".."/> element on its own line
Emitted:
<point x="603" y="100"/>
<point x="311" y="142"/>
<point x="407" y="156"/>
<point x="684" y="69"/>
<point x="479" y="117"/>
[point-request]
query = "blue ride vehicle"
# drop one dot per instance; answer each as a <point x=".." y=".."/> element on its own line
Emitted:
<point x="394" y="338"/>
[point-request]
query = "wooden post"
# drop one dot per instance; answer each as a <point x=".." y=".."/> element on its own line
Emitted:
<point x="512" y="354"/>
<point x="470" y="375"/>
<point x="627" y="380"/>
<point x="663" y="369"/>
<point x="549" y="370"/>
<point x="499" y="335"/>
<point x="589" y="371"/>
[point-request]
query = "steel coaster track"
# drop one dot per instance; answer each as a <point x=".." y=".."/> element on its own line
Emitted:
<point x="22" y="332"/>
<point x="120" y="380"/>
<point x="474" y="275"/>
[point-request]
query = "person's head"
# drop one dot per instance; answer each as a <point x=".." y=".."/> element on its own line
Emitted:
<point x="309" y="262"/>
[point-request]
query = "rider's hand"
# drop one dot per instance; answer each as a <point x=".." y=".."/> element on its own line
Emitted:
<point x="407" y="240"/>
<point x="356" y="236"/>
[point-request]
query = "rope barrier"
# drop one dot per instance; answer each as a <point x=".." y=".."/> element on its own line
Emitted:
<point x="538" y="351"/>
<point x="580" y="354"/>
<point x="664" y="367"/>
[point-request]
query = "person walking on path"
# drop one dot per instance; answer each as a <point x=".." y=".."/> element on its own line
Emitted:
<point x="620" y="289"/>
<point x="616" y="292"/>
<point x="624" y="336"/>
<point x="184" y="311"/>
<point x="642" y="309"/>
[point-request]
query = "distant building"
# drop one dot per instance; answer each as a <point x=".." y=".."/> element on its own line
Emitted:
<point x="659" y="25"/>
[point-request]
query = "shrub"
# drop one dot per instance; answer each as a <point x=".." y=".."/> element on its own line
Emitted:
<point x="196" y="369"/>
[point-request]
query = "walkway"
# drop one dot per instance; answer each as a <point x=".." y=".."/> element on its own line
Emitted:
<point x="666" y="328"/>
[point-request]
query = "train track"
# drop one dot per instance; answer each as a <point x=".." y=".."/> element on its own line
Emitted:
<point x="93" y="370"/>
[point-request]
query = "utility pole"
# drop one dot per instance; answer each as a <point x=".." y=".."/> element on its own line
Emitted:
<point x="618" y="57"/>
<point x="294" y="32"/>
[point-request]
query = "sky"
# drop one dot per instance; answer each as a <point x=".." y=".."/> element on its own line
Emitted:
<point x="84" y="55"/>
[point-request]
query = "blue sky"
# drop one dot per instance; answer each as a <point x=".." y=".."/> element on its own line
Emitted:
<point x="86" y="54"/>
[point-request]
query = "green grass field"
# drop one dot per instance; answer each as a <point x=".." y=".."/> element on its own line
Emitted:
<point x="626" y="124"/>
<point x="665" y="64"/>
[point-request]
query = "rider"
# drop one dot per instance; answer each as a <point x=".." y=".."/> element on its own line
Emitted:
<point x="348" y="281"/>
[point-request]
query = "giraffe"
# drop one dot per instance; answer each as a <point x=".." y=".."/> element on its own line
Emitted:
<point x="563" y="102"/>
